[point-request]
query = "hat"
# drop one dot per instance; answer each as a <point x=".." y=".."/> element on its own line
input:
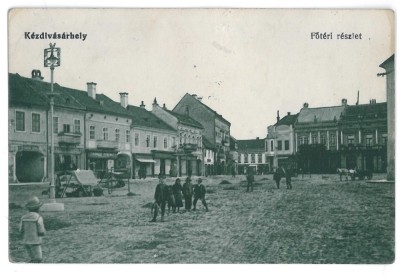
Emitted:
<point x="188" y="178"/>
<point x="199" y="180"/>
<point x="161" y="176"/>
<point x="33" y="203"/>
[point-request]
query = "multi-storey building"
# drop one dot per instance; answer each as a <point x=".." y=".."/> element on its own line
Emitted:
<point x="216" y="128"/>
<point x="153" y="142"/>
<point x="189" y="150"/>
<point x="388" y="65"/>
<point x="280" y="142"/>
<point x="234" y="156"/>
<point x="318" y="138"/>
<point x="30" y="132"/>
<point x="251" y="153"/>
<point x="107" y="131"/>
<point x="363" y="132"/>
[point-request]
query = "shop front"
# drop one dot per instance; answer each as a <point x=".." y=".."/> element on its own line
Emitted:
<point x="143" y="165"/>
<point x="101" y="161"/>
<point x="164" y="162"/>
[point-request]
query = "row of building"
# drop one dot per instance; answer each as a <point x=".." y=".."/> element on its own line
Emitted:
<point x="322" y="139"/>
<point x="91" y="131"/>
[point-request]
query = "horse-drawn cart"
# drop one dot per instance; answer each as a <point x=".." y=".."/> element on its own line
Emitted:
<point x="79" y="183"/>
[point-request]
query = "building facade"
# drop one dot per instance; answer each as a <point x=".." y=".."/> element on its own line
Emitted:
<point x="251" y="153"/>
<point x="216" y="128"/>
<point x="189" y="150"/>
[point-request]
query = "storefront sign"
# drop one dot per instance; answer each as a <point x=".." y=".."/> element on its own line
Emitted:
<point x="28" y="148"/>
<point x="108" y="155"/>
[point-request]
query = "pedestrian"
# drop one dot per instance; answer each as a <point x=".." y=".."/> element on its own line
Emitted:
<point x="170" y="199"/>
<point x="288" y="176"/>
<point x="233" y="172"/>
<point x="32" y="230"/>
<point x="188" y="193"/>
<point x="177" y="191"/>
<point x="279" y="173"/>
<point x="250" y="179"/>
<point x="199" y="193"/>
<point x="160" y="197"/>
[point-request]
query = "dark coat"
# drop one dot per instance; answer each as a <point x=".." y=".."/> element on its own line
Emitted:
<point x="161" y="193"/>
<point x="199" y="191"/>
<point x="177" y="192"/>
<point x="187" y="189"/>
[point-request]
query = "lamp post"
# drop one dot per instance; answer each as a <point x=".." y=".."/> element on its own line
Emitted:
<point x="52" y="59"/>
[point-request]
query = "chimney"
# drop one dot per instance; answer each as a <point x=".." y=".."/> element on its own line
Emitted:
<point x="164" y="106"/>
<point x="37" y="75"/>
<point x="288" y="113"/>
<point x="91" y="89"/>
<point x="372" y="101"/>
<point x="305" y="105"/>
<point x="124" y="99"/>
<point x="187" y="110"/>
<point x="277" y="116"/>
<point x="142" y="105"/>
<point x="155" y="103"/>
<point x="257" y="138"/>
<point x="344" y="101"/>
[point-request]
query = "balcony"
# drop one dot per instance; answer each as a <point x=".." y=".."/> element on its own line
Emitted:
<point x="107" y="144"/>
<point x="69" y="138"/>
<point x="189" y="148"/>
<point x="221" y="155"/>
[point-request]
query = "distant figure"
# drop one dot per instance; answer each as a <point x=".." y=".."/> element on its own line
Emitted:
<point x="288" y="176"/>
<point x="279" y="173"/>
<point x="171" y="203"/>
<point x="233" y="171"/>
<point x="32" y="230"/>
<point x="188" y="193"/>
<point x="160" y="197"/>
<point x="199" y="193"/>
<point x="177" y="191"/>
<point x="250" y="179"/>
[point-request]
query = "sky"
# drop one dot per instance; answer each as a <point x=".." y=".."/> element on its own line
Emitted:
<point x="245" y="63"/>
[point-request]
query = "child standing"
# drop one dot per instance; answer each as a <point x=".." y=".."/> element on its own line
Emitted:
<point x="32" y="230"/>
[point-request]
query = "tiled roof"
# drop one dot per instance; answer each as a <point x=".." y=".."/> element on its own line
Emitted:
<point x="253" y="144"/>
<point x="365" y="111"/>
<point x="144" y="118"/>
<point x="27" y="91"/>
<point x="185" y="120"/>
<point x="287" y="120"/>
<point x="321" y="114"/>
<point x="390" y="59"/>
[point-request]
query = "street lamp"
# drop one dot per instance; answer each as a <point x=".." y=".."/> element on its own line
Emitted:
<point x="52" y="59"/>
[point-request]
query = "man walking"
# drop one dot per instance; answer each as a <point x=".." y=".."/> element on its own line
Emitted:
<point x="199" y="193"/>
<point x="160" y="197"/>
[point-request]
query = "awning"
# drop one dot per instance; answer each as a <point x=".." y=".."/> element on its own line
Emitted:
<point x="145" y="160"/>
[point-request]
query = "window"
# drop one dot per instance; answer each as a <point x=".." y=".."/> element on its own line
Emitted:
<point x="148" y="141"/>
<point x="384" y="139"/>
<point x="350" y="139"/>
<point x="173" y="141"/>
<point x="240" y="158"/>
<point x="77" y="126"/>
<point x="279" y="145"/>
<point x="246" y="158"/>
<point x="332" y="140"/>
<point x="128" y="136"/>
<point x="259" y="158"/>
<point x="184" y="139"/>
<point x="368" y="140"/>
<point x="266" y="145"/>
<point x="35" y="122"/>
<point x="165" y="143"/>
<point x="66" y="128"/>
<point x="154" y="141"/>
<point x="314" y="138"/>
<point x="305" y="140"/>
<point x="105" y="134"/>
<point x="117" y="134"/>
<point x="91" y="133"/>
<point x="253" y="158"/>
<point x="136" y="139"/>
<point x="181" y="139"/>
<point x="20" y="121"/>
<point x="272" y="145"/>
<point x="323" y="139"/>
<point x="286" y="144"/>
<point x="55" y="125"/>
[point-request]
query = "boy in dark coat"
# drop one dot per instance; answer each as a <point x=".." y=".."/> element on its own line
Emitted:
<point x="188" y="193"/>
<point x="250" y="179"/>
<point x="288" y="179"/>
<point x="177" y="192"/>
<point x="160" y="196"/>
<point x="199" y="193"/>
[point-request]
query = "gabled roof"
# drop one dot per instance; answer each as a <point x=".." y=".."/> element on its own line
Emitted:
<point x="365" y="111"/>
<point x="219" y="116"/>
<point x="27" y="91"/>
<point x="321" y="114"/>
<point x="185" y="120"/>
<point x="287" y="120"/>
<point x="144" y="118"/>
<point x="252" y="144"/>
<point x="389" y="60"/>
